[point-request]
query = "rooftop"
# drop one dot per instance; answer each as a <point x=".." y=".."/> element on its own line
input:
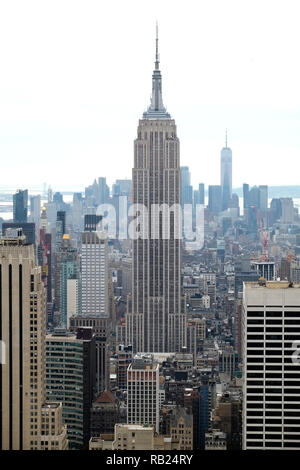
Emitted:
<point x="263" y="284"/>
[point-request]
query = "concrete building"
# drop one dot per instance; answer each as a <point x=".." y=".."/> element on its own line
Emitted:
<point x="143" y="392"/>
<point x="94" y="274"/>
<point x="215" y="440"/>
<point x="271" y="369"/>
<point x="23" y="406"/>
<point x="133" y="437"/>
<point x="73" y="299"/>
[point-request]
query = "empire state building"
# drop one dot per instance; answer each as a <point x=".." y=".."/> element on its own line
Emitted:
<point x="156" y="312"/>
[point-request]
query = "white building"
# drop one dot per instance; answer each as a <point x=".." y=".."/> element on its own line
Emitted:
<point x="143" y="392"/>
<point x="73" y="296"/>
<point x="226" y="175"/>
<point x="271" y="365"/>
<point x="94" y="271"/>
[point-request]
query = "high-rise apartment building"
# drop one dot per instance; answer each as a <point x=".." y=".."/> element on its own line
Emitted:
<point x="67" y="267"/>
<point x="70" y="373"/>
<point x="94" y="274"/>
<point x="101" y="331"/>
<point x="156" y="319"/>
<point x="124" y="354"/>
<point x="226" y="175"/>
<point x="271" y="366"/>
<point x="143" y="392"/>
<point x="26" y="420"/>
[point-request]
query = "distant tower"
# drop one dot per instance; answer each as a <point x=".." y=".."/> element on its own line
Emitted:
<point x="44" y="220"/>
<point x="226" y="175"/>
<point x="186" y="188"/>
<point x="20" y="206"/>
<point x="215" y="199"/>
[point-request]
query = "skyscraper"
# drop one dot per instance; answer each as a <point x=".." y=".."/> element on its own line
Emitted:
<point x="94" y="265"/>
<point x="20" y="204"/>
<point x="226" y="175"/>
<point x="186" y="188"/>
<point x="26" y="420"/>
<point x="271" y="366"/>
<point x="245" y="195"/>
<point x="156" y="320"/>
<point x="35" y="210"/>
<point x="215" y="199"/>
<point x="143" y="392"/>
<point x="201" y="193"/>
<point x="70" y="379"/>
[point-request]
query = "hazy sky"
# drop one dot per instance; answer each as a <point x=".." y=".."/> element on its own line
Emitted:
<point x="76" y="77"/>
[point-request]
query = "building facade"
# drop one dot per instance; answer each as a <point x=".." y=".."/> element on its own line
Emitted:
<point x="94" y="274"/>
<point x="156" y="319"/>
<point x="271" y="369"/>
<point x="23" y="407"/>
<point x="143" y="392"/>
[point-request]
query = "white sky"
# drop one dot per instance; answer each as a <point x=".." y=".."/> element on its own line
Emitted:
<point x="75" y="78"/>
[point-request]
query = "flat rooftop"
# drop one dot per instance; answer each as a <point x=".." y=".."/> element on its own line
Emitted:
<point x="263" y="284"/>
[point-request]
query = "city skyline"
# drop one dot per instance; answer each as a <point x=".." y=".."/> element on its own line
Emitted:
<point x="149" y="296"/>
<point x="58" y="108"/>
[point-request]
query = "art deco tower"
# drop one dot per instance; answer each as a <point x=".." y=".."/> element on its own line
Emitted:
<point x="156" y="320"/>
<point x="27" y="421"/>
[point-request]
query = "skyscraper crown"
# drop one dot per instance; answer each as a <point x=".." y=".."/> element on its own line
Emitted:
<point x="156" y="109"/>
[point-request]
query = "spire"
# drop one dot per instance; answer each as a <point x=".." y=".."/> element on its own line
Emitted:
<point x="226" y="139"/>
<point x="156" y="55"/>
<point x="156" y="109"/>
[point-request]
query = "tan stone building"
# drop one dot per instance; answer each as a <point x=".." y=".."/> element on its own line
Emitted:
<point x="23" y="408"/>
<point x="133" y="437"/>
<point x="181" y="428"/>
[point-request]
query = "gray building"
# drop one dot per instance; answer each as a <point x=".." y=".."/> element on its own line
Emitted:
<point x="226" y="175"/>
<point x="156" y="320"/>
